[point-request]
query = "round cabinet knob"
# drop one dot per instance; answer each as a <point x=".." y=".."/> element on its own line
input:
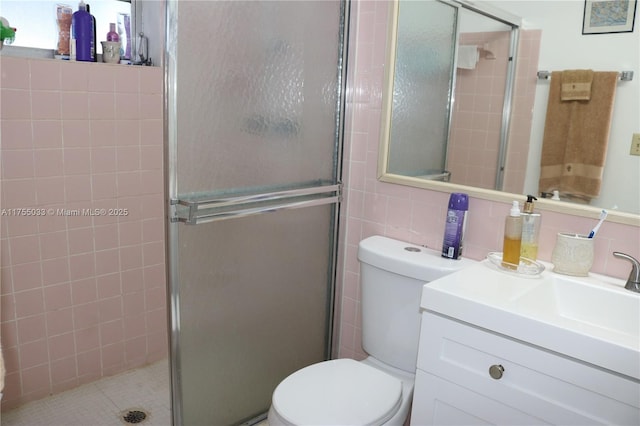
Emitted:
<point x="495" y="371"/>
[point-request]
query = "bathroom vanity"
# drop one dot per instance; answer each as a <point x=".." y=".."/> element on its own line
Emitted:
<point x="501" y="348"/>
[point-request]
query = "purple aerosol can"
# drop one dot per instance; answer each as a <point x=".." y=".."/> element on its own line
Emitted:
<point x="455" y="225"/>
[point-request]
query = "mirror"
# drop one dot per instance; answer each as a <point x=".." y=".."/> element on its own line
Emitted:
<point x="515" y="160"/>
<point x="452" y="87"/>
<point x="422" y="89"/>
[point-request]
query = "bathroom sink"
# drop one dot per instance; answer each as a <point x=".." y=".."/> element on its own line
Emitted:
<point x="591" y="302"/>
<point x="593" y="319"/>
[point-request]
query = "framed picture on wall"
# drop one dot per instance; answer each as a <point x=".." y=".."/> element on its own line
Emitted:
<point x="608" y="16"/>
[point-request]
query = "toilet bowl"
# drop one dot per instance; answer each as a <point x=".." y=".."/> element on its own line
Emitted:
<point x="382" y="395"/>
<point x="377" y="390"/>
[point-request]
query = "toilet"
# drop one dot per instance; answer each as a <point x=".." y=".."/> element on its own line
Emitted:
<point x="378" y="389"/>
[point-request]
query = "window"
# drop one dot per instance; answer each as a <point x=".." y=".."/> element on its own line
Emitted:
<point x="36" y="24"/>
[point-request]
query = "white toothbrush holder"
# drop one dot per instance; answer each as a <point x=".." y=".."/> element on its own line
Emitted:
<point x="110" y="52"/>
<point x="573" y="254"/>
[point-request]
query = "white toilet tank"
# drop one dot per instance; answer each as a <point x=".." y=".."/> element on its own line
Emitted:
<point x="392" y="274"/>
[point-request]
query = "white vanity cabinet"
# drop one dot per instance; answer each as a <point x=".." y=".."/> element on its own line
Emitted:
<point x="530" y="385"/>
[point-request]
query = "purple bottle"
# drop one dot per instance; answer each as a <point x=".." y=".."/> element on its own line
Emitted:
<point x="82" y="29"/>
<point x="455" y="225"/>
<point x="127" y="28"/>
<point x="112" y="35"/>
<point x="94" y="56"/>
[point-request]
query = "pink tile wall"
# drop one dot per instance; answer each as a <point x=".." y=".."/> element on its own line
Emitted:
<point x="416" y="215"/>
<point x="477" y="117"/>
<point x="83" y="295"/>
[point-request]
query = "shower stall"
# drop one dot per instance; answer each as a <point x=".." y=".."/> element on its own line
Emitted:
<point x="253" y="116"/>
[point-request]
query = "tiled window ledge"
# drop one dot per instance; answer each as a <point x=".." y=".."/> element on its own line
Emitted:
<point x="35" y="53"/>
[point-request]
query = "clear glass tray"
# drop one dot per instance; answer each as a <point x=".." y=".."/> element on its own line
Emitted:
<point x="525" y="267"/>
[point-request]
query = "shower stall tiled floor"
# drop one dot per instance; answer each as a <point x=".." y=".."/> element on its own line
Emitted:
<point x="102" y="403"/>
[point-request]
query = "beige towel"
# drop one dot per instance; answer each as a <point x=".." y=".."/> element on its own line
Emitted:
<point x="576" y="85"/>
<point x="576" y="135"/>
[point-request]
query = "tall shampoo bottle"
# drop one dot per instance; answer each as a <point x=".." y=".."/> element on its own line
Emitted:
<point x="82" y="30"/>
<point x="531" y="222"/>
<point x="512" y="238"/>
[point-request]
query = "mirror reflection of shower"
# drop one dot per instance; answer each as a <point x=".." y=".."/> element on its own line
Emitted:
<point x="476" y="144"/>
<point x="447" y="104"/>
<point x="419" y="99"/>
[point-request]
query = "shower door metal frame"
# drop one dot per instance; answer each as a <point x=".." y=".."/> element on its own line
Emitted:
<point x="331" y="193"/>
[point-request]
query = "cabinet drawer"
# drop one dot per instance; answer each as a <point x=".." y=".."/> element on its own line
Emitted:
<point x="439" y="402"/>
<point x="544" y="384"/>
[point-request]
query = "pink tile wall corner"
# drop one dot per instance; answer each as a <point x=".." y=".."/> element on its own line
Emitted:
<point x="151" y="80"/>
<point x="151" y="106"/>
<point x="59" y="298"/>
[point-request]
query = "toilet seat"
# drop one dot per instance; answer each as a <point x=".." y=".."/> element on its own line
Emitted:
<point x="338" y="392"/>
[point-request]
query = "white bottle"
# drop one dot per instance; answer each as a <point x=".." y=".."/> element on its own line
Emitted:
<point x="530" y="230"/>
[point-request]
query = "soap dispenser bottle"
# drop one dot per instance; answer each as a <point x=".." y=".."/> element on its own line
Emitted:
<point x="512" y="238"/>
<point x="530" y="230"/>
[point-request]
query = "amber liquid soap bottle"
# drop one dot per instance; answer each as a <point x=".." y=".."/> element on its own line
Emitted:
<point x="512" y="238"/>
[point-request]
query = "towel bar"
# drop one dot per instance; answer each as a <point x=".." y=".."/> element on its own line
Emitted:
<point x="205" y="208"/>
<point x="623" y="75"/>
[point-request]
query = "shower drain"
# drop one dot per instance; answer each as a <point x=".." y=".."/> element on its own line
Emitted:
<point x="134" y="416"/>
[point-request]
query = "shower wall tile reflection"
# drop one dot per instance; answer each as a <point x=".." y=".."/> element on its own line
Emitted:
<point x="477" y="118"/>
<point x="82" y="269"/>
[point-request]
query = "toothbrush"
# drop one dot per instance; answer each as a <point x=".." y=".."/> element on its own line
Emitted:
<point x="603" y="216"/>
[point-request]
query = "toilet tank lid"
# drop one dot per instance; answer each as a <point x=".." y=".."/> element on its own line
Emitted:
<point x="417" y="262"/>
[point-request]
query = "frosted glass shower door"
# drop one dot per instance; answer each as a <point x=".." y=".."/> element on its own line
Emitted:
<point x="254" y="111"/>
<point x="422" y="88"/>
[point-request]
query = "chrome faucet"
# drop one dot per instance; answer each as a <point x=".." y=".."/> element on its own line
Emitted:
<point x="633" y="282"/>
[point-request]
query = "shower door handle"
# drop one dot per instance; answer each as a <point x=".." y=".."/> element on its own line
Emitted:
<point x="204" y="209"/>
